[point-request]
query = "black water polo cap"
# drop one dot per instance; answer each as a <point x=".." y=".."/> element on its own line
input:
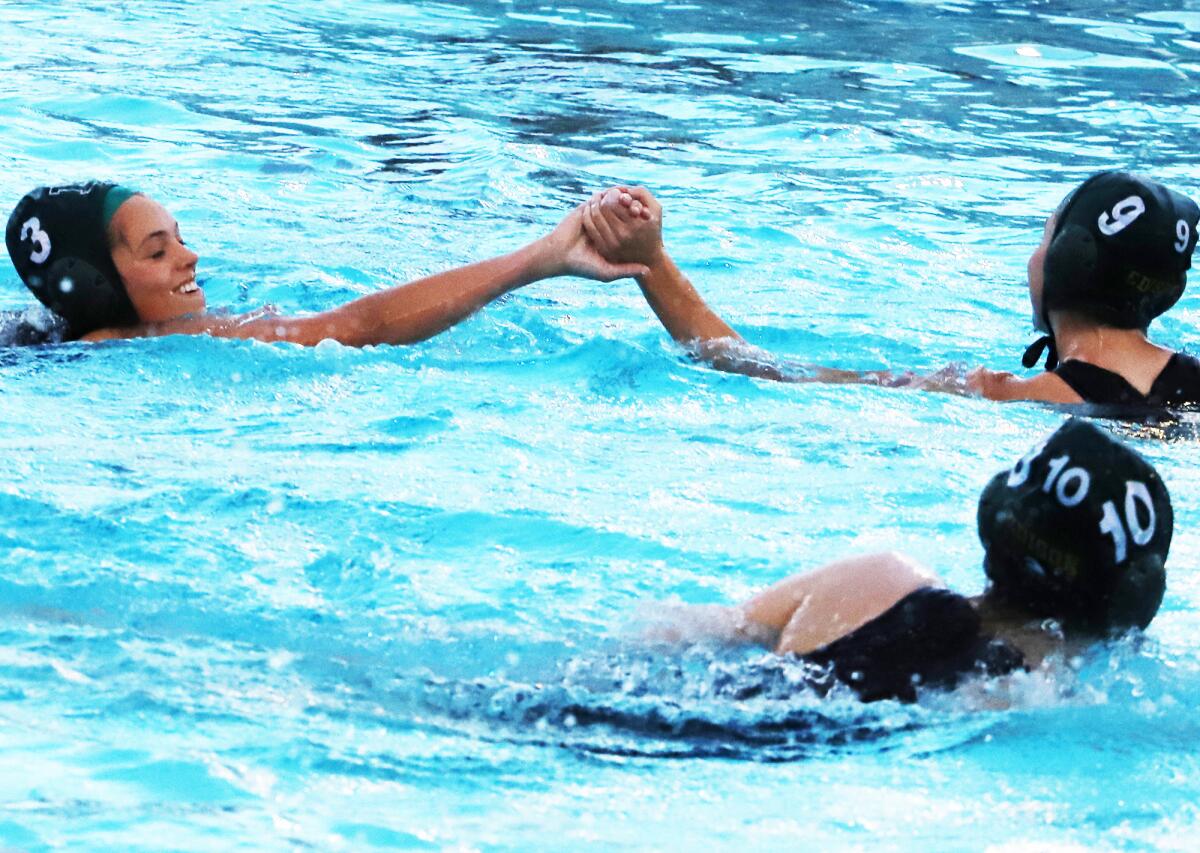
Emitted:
<point x="1078" y="531"/>
<point x="57" y="240"/>
<point x="1120" y="252"/>
<point x="1121" y="249"/>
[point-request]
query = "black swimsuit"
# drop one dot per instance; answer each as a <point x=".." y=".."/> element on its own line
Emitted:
<point x="930" y="637"/>
<point x="1177" y="385"/>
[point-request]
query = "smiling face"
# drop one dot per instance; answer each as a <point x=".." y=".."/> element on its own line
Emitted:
<point x="1037" y="265"/>
<point x="156" y="267"/>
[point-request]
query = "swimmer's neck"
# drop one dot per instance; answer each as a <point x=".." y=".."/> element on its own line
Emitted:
<point x="1082" y="339"/>
<point x="1036" y="638"/>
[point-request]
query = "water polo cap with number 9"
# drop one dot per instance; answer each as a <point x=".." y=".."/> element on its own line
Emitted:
<point x="57" y="240"/>
<point x="1078" y="531"/>
<point x="1119" y="254"/>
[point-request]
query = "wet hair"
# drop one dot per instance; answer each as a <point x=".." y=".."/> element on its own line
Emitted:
<point x="60" y="244"/>
<point x="1119" y="254"/>
<point x="1078" y="531"/>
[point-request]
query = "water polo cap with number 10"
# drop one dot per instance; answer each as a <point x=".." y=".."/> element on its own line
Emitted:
<point x="1120" y="252"/>
<point x="57" y="240"/>
<point x="1078" y="531"/>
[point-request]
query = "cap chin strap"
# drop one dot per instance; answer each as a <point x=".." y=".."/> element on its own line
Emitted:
<point x="1035" y="352"/>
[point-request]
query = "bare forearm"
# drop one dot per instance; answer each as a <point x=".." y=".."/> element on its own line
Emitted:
<point x="419" y="310"/>
<point x="694" y="324"/>
<point x="407" y="313"/>
<point x="691" y="322"/>
<point x="626" y="224"/>
<point x="679" y="306"/>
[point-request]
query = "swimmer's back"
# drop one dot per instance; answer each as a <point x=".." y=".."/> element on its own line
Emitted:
<point x="932" y="637"/>
<point x="1178" y="384"/>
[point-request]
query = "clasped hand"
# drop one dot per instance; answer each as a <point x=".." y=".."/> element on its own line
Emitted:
<point x="614" y="234"/>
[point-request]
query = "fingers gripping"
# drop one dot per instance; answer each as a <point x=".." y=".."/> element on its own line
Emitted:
<point x="605" y="237"/>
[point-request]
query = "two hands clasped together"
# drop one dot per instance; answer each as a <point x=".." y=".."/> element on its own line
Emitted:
<point x="623" y="226"/>
<point x="111" y="262"/>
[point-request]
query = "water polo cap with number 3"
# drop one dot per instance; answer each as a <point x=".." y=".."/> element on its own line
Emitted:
<point x="1120" y="252"/>
<point x="57" y="240"/>
<point x="1078" y="530"/>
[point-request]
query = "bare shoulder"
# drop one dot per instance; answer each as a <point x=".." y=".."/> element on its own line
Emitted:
<point x="889" y="572"/>
<point x="845" y="595"/>
<point x="810" y="610"/>
<point x="262" y="324"/>
<point x="1001" y="385"/>
<point x="108" y="335"/>
<point x="305" y="330"/>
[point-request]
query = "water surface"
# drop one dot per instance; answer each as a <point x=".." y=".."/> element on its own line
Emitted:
<point x="265" y="597"/>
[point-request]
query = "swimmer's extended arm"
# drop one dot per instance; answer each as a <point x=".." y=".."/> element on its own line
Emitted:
<point x="412" y="312"/>
<point x="625" y="223"/>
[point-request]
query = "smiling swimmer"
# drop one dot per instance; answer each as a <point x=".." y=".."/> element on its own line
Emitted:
<point x="1076" y="532"/>
<point x="1113" y="257"/>
<point x="112" y="264"/>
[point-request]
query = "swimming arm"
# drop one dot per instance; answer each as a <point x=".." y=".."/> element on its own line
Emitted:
<point x="625" y="224"/>
<point x="418" y="310"/>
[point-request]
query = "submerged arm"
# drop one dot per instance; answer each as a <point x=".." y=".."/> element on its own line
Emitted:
<point x="625" y="224"/>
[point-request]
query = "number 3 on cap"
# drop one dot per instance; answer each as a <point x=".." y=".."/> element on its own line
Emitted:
<point x="1123" y="213"/>
<point x="32" y="231"/>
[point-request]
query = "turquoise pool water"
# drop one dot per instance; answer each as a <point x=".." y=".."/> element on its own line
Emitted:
<point x="262" y="597"/>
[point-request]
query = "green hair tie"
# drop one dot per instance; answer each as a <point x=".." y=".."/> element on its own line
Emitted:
<point x="113" y="199"/>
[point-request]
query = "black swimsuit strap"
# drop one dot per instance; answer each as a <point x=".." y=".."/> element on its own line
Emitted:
<point x="1097" y="385"/>
<point x="1178" y="384"/>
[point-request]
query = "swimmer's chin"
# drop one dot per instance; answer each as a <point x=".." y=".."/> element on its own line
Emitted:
<point x="188" y="316"/>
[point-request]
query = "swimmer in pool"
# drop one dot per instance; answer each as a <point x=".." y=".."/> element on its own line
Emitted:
<point x="1113" y="256"/>
<point x="1075" y="539"/>
<point x="111" y="263"/>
